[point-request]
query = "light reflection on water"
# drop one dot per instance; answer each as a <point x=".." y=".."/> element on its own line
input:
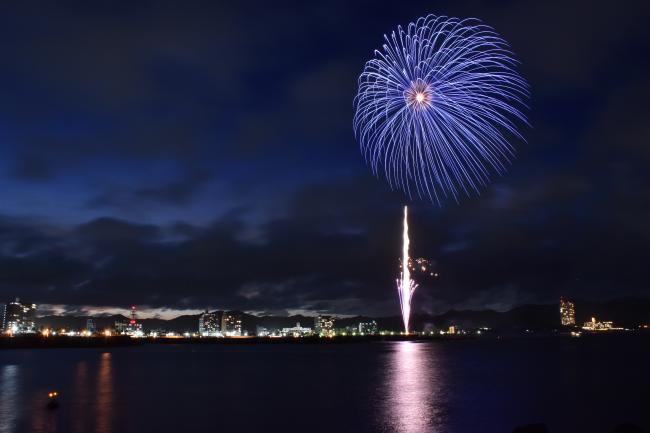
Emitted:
<point x="9" y="407"/>
<point x="392" y="387"/>
<point x="81" y="393"/>
<point x="92" y="404"/>
<point x="412" y="386"/>
<point x="87" y="400"/>
<point x="104" y="394"/>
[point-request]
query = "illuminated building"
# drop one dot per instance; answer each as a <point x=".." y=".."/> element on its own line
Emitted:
<point x="19" y="318"/>
<point x="3" y="312"/>
<point x="134" y="329"/>
<point x="209" y="325"/>
<point x="567" y="313"/>
<point x="231" y="324"/>
<point x="369" y="328"/>
<point x="594" y="325"/>
<point x="120" y="327"/>
<point x="157" y="333"/>
<point x="296" y="331"/>
<point x="324" y="325"/>
<point x="90" y="326"/>
<point x="131" y="328"/>
<point x="452" y="330"/>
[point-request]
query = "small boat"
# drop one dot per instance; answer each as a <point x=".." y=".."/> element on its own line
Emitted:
<point x="52" y="400"/>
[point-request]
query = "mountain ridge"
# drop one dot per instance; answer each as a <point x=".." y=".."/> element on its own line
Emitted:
<point x="624" y="311"/>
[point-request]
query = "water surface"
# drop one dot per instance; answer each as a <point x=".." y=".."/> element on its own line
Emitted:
<point x="572" y="385"/>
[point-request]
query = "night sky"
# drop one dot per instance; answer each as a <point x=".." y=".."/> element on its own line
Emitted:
<point x="189" y="156"/>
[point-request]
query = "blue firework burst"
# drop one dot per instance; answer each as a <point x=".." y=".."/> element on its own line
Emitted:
<point x="437" y="105"/>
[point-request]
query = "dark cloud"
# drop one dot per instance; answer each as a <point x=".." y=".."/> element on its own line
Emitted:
<point x="173" y="193"/>
<point x="342" y="258"/>
<point x="186" y="155"/>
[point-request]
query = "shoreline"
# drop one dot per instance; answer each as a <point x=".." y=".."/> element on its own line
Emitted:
<point x="38" y="342"/>
<point x="62" y="342"/>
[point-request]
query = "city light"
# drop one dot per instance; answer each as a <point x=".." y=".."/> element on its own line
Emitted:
<point x="594" y="325"/>
<point x="567" y="312"/>
<point x="19" y="318"/>
<point x="324" y="325"/>
<point x="213" y="324"/>
<point x="296" y="331"/>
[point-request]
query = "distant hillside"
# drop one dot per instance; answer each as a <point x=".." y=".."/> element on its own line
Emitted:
<point x="623" y="311"/>
<point x="628" y="312"/>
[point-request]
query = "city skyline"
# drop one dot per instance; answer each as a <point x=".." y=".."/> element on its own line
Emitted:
<point x="631" y="311"/>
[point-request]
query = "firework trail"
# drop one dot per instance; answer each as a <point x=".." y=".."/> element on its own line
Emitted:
<point x="434" y="111"/>
<point x="436" y="105"/>
<point x="405" y="285"/>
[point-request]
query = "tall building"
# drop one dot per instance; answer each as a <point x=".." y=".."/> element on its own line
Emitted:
<point x="3" y="312"/>
<point x="90" y="326"/>
<point x="120" y="327"/>
<point x="324" y="325"/>
<point x="19" y="318"/>
<point x="231" y="324"/>
<point x="567" y="313"/>
<point x="131" y="328"/>
<point x="368" y="328"/>
<point x="209" y="324"/>
<point x="134" y="329"/>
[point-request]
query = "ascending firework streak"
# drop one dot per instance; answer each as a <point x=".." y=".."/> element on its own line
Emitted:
<point x="406" y="286"/>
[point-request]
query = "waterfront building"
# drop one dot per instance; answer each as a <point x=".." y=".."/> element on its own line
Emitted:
<point x="595" y="325"/>
<point x="296" y="331"/>
<point x="324" y="325"/>
<point x="231" y="324"/>
<point x="368" y="328"/>
<point x="19" y="318"/>
<point x="90" y="326"/>
<point x="157" y="333"/>
<point x="134" y="329"/>
<point x="131" y="328"/>
<point x="120" y="327"/>
<point x="567" y="313"/>
<point x="209" y="325"/>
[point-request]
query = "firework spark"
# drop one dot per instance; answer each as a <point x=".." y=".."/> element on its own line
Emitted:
<point x="421" y="266"/>
<point x="436" y="105"/>
<point x="405" y="285"/>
